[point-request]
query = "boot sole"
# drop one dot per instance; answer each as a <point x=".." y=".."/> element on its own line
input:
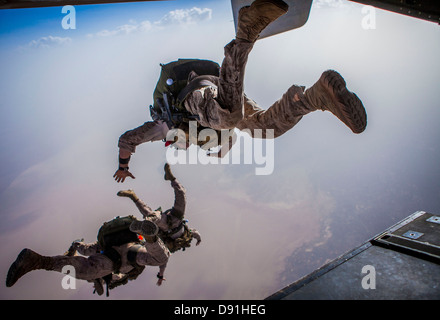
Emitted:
<point x="14" y="271"/>
<point x="278" y="3"/>
<point x="146" y="228"/>
<point x="168" y="174"/>
<point x="349" y="108"/>
<point x="125" y="193"/>
<point x="259" y="6"/>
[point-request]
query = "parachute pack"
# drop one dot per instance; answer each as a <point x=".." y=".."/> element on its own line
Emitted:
<point x="116" y="232"/>
<point x="171" y="89"/>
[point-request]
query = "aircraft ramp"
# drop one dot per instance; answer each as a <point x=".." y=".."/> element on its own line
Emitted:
<point x="401" y="263"/>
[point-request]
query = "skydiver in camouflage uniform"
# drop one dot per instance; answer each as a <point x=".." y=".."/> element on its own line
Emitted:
<point x="97" y="265"/>
<point x="170" y="222"/>
<point x="223" y="105"/>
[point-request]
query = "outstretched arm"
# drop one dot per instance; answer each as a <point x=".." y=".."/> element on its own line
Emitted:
<point x="122" y="172"/>
<point x="160" y="275"/>
<point x="196" y="235"/>
<point x="149" y="131"/>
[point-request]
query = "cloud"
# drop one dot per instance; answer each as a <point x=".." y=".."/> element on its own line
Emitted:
<point x="125" y="29"/>
<point x="49" y="42"/>
<point x="329" y="3"/>
<point x="185" y="17"/>
<point x="176" y="17"/>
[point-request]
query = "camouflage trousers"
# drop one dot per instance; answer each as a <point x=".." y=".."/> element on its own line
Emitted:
<point x="94" y="265"/>
<point x="227" y="107"/>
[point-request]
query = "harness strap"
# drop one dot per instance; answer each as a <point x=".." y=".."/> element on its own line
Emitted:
<point x="176" y="229"/>
<point x="197" y="83"/>
<point x="132" y="254"/>
<point x="107" y="279"/>
<point x="115" y="257"/>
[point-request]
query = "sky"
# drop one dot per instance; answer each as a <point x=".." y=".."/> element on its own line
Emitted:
<point x="68" y="94"/>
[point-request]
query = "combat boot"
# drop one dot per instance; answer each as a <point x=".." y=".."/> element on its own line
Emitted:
<point x="26" y="261"/>
<point x="129" y="194"/>
<point x="72" y="250"/>
<point x="73" y="247"/>
<point x="330" y="93"/>
<point x="253" y="19"/>
<point x="146" y="228"/>
<point x="168" y="174"/>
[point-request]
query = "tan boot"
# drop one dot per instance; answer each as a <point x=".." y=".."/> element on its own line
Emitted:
<point x="73" y="247"/>
<point x="26" y="261"/>
<point x="330" y="93"/>
<point x="253" y="19"/>
<point x="129" y="194"/>
<point x="168" y="174"/>
<point x="146" y="228"/>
